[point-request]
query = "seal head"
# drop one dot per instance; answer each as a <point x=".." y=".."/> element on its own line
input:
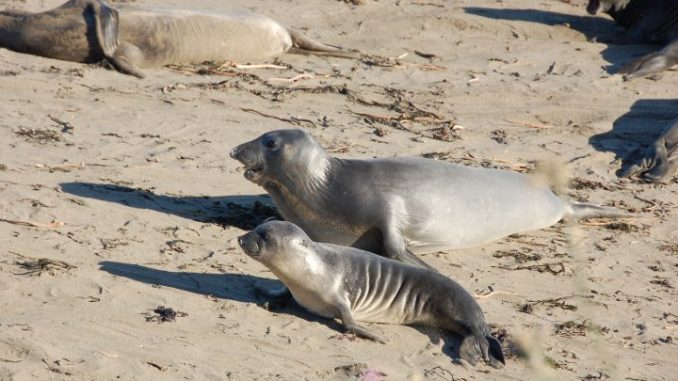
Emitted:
<point x="595" y="6"/>
<point x="592" y="7"/>
<point x="270" y="239"/>
<point x="272" y="155"/>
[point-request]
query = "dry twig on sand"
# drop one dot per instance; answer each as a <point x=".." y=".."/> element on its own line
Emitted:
<point x="51" y="225"/>
<point x="396" y="62"/>
<point x="528" y="125"/>
<point x="292" y="120"/>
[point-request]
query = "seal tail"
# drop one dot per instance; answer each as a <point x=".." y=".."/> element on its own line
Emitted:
<point x="579" y="210"/>
<point x="301" y="44"/>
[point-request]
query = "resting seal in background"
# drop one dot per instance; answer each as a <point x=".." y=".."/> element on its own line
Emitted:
<point x="645" y="21"/>
<point x="350" y="284"/>
<point x="131" y="38"/>
<point x="390" y="206"/>
<point x="660" y="160"/>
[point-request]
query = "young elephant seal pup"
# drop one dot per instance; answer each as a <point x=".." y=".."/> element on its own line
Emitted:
<point x="350" y="284"/>
<point x="645" y="21"/>
<point x="131" y="37"/>
<point x="396" y="206"/>
<point x="660" y="160"/>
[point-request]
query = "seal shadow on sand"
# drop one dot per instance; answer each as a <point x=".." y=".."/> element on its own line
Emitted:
<point x="632" y="132"/>
<point x="591" y="27"/>
<point x="244" y="212"/>
<point x="240" y="288"/>
<point x="236" y="287"/>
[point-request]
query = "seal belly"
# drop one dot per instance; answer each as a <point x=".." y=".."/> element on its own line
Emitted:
<point x="179" y="36"/>
<point x="481" y="210"/>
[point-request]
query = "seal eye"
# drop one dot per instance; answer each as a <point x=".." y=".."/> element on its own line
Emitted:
<point x="270" y="144"/>
<point x="264" y="236"/>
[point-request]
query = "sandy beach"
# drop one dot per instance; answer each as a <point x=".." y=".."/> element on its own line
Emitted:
<point x="118" y="196"/>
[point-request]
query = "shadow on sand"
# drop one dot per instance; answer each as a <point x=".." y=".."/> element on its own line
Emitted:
<point x="236" y="287"/>
<point x="599" y="27"/>
<point x="244" y="212"/>
<point x="632" y="132"/>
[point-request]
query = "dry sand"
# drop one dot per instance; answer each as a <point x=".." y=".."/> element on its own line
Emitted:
<point x="135" y="199"/>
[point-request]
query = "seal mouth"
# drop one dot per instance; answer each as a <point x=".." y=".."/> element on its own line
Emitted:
<point x="253" y="170"/>
<point x="253" y="173"/>
<point x="593" y="7"/>
<point x="249" y="245"/>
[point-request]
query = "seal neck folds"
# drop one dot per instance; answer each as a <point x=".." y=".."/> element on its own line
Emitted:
<point x="308" y="182"/>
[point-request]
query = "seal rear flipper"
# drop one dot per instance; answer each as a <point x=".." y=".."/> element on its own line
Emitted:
<point x="476" y="347"/>
<point x="660" y="160"/>
<point x="495" y="352"/>
<point x="652" y="63"/>
<point x="470" y="350"/>
<point x="302" y="44"/>
<point x="580" y="210"/>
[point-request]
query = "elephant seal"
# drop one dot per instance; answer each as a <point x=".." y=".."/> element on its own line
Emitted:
<point x="660" y="160"/>
<point x="390" y="206"/>
<point x="350" y="284"/>
<point x="131" y="38"/>
<point x="645" y="21"/>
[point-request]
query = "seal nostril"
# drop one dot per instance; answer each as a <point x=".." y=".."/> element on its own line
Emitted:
<point x="233" y="153"/>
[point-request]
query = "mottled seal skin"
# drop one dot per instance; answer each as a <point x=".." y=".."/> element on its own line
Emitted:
<point x="350" y="284"/>
<point x="131" y="38"/>
<point x="645" y="21"/>
<point x="396" y="206"/>
<point x="660" y="160"/>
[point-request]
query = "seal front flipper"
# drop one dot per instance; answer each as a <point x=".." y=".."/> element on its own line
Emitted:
<point x="277" y="298"/>
<point x="106" y="23"/>
<point x="395" y="248"/>
<point x="119" y="54"/>
<point x="124" y="57"/>
<point x="352" y="327"/>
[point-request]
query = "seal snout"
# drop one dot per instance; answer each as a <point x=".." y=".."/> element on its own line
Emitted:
<point x="249" y="243"/>
<point x="250" y="158"/>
